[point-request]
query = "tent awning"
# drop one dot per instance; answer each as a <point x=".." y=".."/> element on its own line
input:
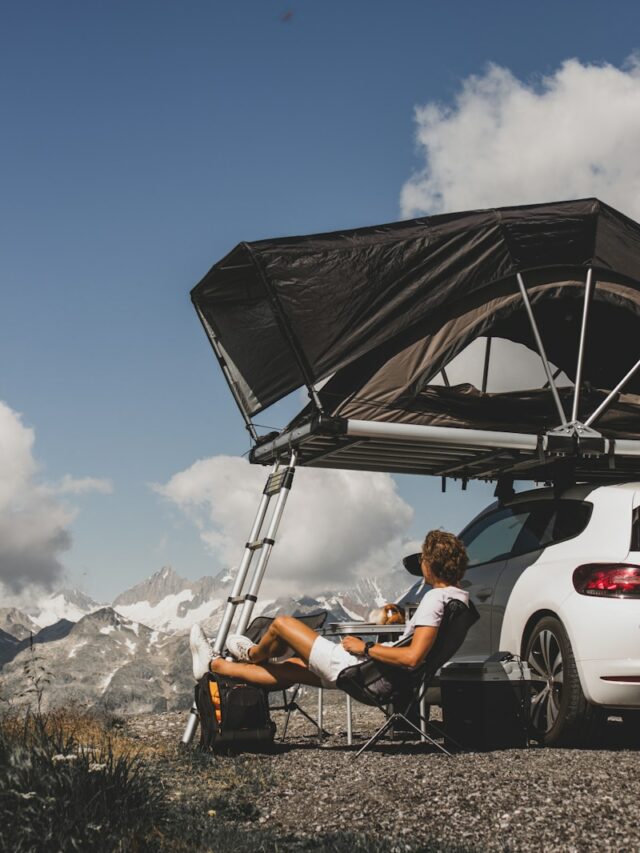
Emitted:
<point x="292" y="311"/>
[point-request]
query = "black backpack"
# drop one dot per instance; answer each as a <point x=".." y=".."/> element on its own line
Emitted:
<point x="242" y="721"/>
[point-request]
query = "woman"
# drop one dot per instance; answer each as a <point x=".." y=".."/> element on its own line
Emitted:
<point x="318" y="661"/>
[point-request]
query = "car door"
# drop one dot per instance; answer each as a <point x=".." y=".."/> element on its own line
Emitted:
<point x="489" y="540"/>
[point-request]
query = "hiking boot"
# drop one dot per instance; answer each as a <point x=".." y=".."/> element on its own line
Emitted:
<point x="239" y="646"/>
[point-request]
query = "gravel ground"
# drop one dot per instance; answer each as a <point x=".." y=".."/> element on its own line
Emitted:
<point x="409" y="797"/>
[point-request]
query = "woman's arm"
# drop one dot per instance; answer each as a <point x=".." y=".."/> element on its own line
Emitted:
<point x="421" y="642"/>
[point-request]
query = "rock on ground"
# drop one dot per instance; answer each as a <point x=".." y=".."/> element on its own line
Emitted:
<point x="410" y="796"/>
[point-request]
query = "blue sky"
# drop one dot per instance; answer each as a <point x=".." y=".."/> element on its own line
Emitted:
<point x="143" y="140"/>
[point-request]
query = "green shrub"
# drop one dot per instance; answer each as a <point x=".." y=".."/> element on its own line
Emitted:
<point x="58" y="794"/>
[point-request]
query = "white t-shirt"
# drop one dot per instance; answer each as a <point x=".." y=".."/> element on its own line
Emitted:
<point x="431" y="608"/>
<point x="327" y="659"/>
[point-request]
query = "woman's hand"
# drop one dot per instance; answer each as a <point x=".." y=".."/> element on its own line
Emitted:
<point x="353" y="645"/>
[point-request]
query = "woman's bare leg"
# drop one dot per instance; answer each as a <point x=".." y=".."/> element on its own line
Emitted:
<point x="293" y="671"/>
<point x="284" y="631"/>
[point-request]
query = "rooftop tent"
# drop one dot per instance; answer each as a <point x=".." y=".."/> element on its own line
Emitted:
<point x="377" y="318"/>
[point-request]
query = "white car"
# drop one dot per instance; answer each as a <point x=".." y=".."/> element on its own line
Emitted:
<point x="556" y="580"/>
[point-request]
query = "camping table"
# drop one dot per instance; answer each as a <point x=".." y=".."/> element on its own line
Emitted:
<point x="354" y="629"/>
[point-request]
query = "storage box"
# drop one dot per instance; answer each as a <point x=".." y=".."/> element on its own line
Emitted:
<point x="486" y="703"/>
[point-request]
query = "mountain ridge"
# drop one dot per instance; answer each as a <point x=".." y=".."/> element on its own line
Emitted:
<point x="134" y="657"/>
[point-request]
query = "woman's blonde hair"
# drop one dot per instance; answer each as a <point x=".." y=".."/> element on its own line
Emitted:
<point x="446" y="556"/>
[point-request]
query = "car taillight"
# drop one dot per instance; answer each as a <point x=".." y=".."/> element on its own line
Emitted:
<point x="619" y="580"/>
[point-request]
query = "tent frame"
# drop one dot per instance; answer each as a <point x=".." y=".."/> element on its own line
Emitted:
<point x="572" y="449"/>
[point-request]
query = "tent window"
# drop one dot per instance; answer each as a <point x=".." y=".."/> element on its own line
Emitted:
<point x="511" y="367"/>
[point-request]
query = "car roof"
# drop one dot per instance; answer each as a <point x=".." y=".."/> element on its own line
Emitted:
<point x="579" y="491"/>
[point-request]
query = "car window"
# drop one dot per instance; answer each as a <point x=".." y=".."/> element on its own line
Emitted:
<point x="635" y="530"/>
<point x="493" y="536"/>
<point x="523" y="528"/>
<point x="568" y="519"/>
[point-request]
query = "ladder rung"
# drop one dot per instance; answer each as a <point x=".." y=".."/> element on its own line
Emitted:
<point x="254" y="546"/>
<point x="238" y="599"/>
<point x="278" y="480"/>
<point x="274" y="483"/>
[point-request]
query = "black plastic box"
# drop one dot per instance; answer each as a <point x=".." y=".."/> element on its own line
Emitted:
<point x="486" y="703"/>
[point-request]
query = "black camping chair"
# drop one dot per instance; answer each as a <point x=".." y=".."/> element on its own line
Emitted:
<point x="255" y="632"/>
<point x="378" y="684"/>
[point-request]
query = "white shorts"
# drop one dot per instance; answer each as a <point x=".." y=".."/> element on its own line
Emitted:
<point x="327" y="660"/>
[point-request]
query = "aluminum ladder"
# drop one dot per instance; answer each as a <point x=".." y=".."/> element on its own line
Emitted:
<point x="278" y="485"/>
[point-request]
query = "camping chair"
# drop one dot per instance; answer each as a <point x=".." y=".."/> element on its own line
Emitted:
<point x="255" y="632"/>
<point x="377" y="684"/>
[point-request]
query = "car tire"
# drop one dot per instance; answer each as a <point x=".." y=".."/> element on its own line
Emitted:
<point x="560" y="713"/>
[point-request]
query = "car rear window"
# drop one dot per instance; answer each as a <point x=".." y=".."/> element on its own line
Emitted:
<point x="521" y="528"/>
<point x="635" y="530"/>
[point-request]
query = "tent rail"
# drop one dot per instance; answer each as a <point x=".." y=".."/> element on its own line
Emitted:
<point x="341" y="443"/>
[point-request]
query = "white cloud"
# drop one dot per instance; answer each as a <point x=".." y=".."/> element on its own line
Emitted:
<point x="69" y="485"/>
<point x="34" y="524"/>
<point x="572" y="134"/>
<point x="336" y="526"/>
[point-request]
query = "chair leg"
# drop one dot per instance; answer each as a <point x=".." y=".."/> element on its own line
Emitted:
<point x="286" y="723"/>
<point x="376" y="737"/>
<point x="423" y="734"/>
<point x="289" y="706"/>
<point x="440" y="731"/>
<point x="321" y="730"/>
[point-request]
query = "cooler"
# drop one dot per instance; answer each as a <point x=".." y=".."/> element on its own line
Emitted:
<point x="486" y="703"/>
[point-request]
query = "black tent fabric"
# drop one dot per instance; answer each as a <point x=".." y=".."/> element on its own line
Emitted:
<point x="410" y="295"/>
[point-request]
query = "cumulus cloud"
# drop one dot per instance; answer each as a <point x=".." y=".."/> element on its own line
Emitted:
<point x="34" y="523"/>
<point x="571" y="134"/>
<point x="337" y="524"/>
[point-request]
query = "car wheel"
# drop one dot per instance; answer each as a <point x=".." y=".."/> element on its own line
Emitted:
<point x="560" y="714"/>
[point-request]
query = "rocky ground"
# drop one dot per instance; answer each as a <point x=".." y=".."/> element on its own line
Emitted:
<point x="397" y="798"/>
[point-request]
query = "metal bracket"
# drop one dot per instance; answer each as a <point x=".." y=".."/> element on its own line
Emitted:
<point x="575" y="439"/>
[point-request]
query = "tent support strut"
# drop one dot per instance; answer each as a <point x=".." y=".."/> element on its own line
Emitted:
<point x="541" y="350"/>
<point x="583" y="334"/>
<point x="485" y="372"/>
<point x="608" y="400"/>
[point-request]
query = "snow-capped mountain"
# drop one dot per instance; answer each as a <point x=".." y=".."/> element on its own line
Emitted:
<point x="107" y="661"/>
<point x="34" y="610"/>
<point x="134" y="656"/>
<point x="168" y="602"/>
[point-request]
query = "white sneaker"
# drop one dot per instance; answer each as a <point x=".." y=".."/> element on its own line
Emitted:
<point x="201" y="651"/>
<point x="239" y="645"/>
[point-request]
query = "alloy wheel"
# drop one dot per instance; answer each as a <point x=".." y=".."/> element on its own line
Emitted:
<point x="547" y="671"/>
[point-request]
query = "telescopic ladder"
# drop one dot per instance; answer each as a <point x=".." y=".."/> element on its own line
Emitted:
<point x="278" y="486"/>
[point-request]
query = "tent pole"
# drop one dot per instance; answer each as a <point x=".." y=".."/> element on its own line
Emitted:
<point x="583" y="333"/>
<point x="285" y="328"/>
<point x="227" y="374"/>
<point x="485" y="372"/>
<point x="607" y="401"/>
<point x="543" y="355"/>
